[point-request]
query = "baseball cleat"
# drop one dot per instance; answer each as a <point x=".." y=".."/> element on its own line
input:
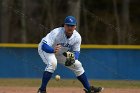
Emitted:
<point x="94" y="89"/>
<point x="39" y="91"/>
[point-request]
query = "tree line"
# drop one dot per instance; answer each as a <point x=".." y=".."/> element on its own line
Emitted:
<point x="99" y="21"/>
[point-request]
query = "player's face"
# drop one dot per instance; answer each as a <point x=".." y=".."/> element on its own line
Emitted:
<point x="69" y="29"/>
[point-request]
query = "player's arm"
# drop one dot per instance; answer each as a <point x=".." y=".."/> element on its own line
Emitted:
<point x="76" y="48"/>
<point x="72" y="56"/>
<point x="48" y="49"/>
<point x="48" y="41"/>
<point x="76" y="54"/>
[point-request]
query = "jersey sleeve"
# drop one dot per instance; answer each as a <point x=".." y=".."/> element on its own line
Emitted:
<point x="77" y="44"/>
<point x="50" y="38"/>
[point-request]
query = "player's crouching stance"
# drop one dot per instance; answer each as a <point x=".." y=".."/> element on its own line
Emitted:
<point x="62" y="45"/>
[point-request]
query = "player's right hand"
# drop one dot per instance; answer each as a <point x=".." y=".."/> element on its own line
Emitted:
<point x="57" y="48"/>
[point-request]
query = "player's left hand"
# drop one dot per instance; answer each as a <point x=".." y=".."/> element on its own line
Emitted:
<point x="70" y="59"/>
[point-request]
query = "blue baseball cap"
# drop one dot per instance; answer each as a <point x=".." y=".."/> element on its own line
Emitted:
<point x="70" y="20"/>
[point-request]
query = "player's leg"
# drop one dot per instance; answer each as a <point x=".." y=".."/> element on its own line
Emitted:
<point x="81" y="76"/>
<point x="80" y="73"/>
<point x="45" y="79"/>
<point x="51" y="62"/>
<point x="78" y="70"/>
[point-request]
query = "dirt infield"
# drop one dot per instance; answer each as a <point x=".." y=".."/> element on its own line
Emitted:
<point x="62" y="90"/>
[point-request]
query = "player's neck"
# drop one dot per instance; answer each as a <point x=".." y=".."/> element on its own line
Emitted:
<point x="68" y="36"/>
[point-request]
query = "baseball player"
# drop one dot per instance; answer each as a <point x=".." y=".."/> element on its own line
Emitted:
<point x="62" y="45"/>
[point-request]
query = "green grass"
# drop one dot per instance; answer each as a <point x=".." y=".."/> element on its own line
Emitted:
<point x="20" y="82"/>
<point x="70" y="83"/>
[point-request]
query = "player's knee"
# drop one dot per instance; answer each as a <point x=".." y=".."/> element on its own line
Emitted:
<point x="77" y="64"/>
<point x="51" y="67"/>
<point x="54" y="65"/>
<point x="78" y="68"/>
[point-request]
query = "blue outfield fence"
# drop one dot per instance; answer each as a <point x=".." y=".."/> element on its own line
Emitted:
<point x="99" y="62"/>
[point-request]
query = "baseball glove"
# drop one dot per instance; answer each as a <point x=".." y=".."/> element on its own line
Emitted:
<point x="70" y="59"/>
